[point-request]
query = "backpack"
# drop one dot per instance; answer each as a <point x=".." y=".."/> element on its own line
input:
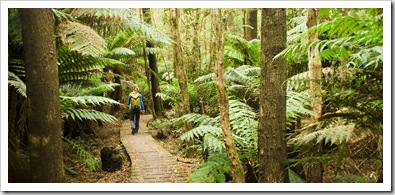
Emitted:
<point x="134" y="100"/>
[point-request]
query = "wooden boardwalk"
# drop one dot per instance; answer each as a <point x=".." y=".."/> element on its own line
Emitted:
<point x="151" y="163"/>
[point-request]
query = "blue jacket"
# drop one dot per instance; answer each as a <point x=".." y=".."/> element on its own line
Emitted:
<point x="141" y="101"/>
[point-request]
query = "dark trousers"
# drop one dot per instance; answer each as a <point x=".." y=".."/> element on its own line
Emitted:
<point x="135" y="117"/>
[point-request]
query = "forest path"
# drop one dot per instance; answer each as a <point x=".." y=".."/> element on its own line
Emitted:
<point x="151" y="163"/>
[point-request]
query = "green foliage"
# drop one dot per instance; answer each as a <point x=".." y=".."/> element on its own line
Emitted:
<point x="243" y="123"/>
<point x="88" y="158"/>
<point x="15" y="81"/>
<point x="334" y="135"/>
<point x="109" y="20"/>
<point x="297" y="106"/>
<point x="73" y="107"/>
<point x="80" y="38"/>
<point x="170" y="92"/>
<point x="93" y="100"/>
<point x="161" y="124"/>
<point x="213" y="171"/>
<point x="294" y="177"/>
<point x="237" y="50"/>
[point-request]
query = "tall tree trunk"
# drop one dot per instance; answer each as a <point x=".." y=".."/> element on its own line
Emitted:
<point x="146" y="68"/>
<point x="157" y="101"/>
<point x="252" y="20"/>
<point x="314" y="171"/>
<point x="251" y="30"/>
<point x="42" y="84"/>
<point x="212" y="40"/>
<point x="272" y="114"/>
<point x="179" y="66"/>
<point x="218" y="45"/>
<point x="197" y="55"/>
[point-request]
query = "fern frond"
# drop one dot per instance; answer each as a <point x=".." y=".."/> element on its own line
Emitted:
<point x="213" y="144"/>
<point x="233" y="54"/>
<point x="93" y="100"/>
<point x="80" y="38"/>
<point x="120" y="52"/>
<point x="197" y="119"/>
<point x="337" y="134"/>
<point x="102" y="88"/>
<point x="87" y="114"/>
<point x="201" y="131"/>
<point x="88" y="157"/>
<point x="15" y="81"/>
<point x="74" y="67"/>
<point x="237" y="76"/>
<point x="297" y="103"/>
<point x="118" y="18"/>
<point x="206" y="78"/>
<point x="62" y="16"/>
<point x="212" y="171"/>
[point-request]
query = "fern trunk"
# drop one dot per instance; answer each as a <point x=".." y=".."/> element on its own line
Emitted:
<point x="314" y="171"/>
<point x="157" y="101"/>
<point x="42" y="84"/>
<point x="272" y="146"/>
<point x="218" y="45"/>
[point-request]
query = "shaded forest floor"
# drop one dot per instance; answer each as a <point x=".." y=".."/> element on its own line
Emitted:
<point x="109" y="135"/>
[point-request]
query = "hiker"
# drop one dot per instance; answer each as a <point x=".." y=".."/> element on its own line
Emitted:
<point x="135" y="102"/>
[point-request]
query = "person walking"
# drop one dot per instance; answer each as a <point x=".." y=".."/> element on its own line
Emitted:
<point x="136" y="105"/>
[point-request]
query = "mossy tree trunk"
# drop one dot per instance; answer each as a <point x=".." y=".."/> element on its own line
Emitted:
<point x="42" y="84"/>
<point x="314" y="171"/>
<point x="179" y="65"/>
<point x="272" y="110"/>
<point x="218" y="46"/>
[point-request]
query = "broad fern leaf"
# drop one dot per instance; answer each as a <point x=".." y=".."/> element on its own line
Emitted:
<point x="93" y="100"/>
<point x="87" y="114"/>
<point x="80" y="38"/>
<point x="213" y="144"/>
<point x="332" y="135"/>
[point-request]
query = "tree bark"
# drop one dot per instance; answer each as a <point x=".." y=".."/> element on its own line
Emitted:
<point x="218" y="45"/>
<point x="42" y="84"/>
<point x="314" y="171"/>
<point x="157" y="101"/>
<point x="179" y="66"/>
<point x="197" y="56"/>
<point x="252" y="33"/>
<point x="272" y="110"/>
